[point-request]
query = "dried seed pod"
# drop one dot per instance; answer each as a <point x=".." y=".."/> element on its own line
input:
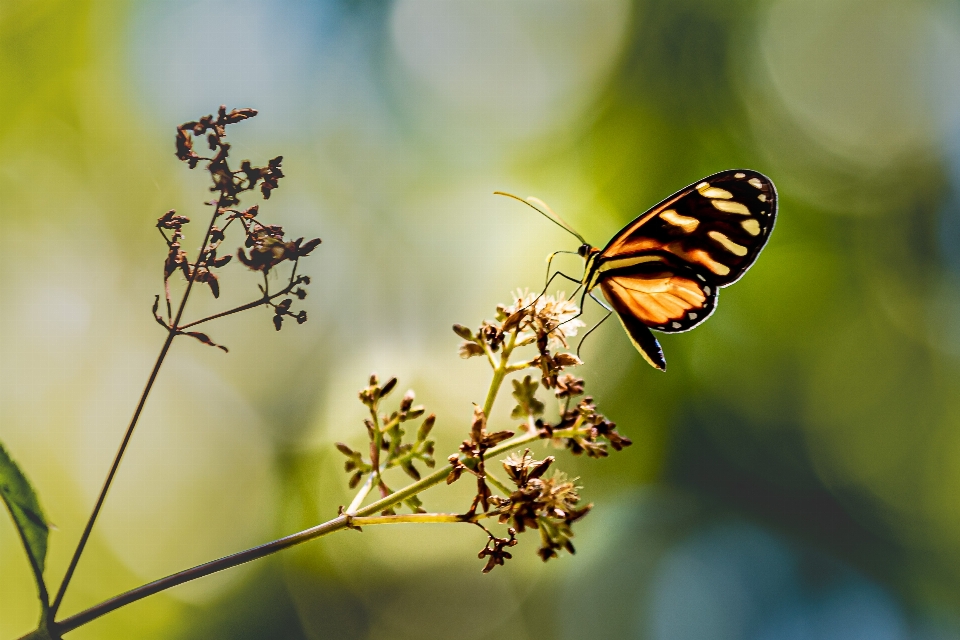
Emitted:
<point x="463" y="332"/>
<point x="388" y="387"/>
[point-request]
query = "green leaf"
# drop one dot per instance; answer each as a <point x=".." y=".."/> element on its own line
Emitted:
<point x="525" y="393"/>
<point x="21" y="501"/>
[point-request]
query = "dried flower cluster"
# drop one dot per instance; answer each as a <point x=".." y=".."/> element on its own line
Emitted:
<point x="549" y="505"/>
<point x="386" y="436"/>
<point x="496" y="548"/>
<point x="264" y="246"/>
<point x="588" y="429"/>
<point x="546" y="504"/>
<point x="229" y="183"/>
<point x="545" y="321"/>
<point x="471" y="455"/>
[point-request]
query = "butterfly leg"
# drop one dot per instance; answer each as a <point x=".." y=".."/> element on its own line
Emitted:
<point x="550" y="263"/>
<point x="547" y="286"/>
<point x="594" y="328"/>
<point x="601" y="303"/>
<point x="549" y="277"/>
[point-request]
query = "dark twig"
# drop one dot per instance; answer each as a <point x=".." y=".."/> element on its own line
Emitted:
<point x="126" y="437"/>
<point x="267" y="248"/>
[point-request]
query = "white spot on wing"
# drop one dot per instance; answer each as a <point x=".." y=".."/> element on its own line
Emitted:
<point x="688" y="225"/>
<point x="706" y="290"/>
<point x="677" y="325"/>
<point x="731" y="206"/>
<point x="762" y="197"/>
<point x="740" y="175"/>
<point x="692" y="315"/>
<point x="716" y="192"/>
<point x="756" y="183"/>
<point x="728" y="244"/>
<point x="751" y="226"/>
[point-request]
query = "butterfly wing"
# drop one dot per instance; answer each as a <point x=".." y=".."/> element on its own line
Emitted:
<point x="717" y="227"/>
<point x="663" y="271"/>
<point x="665" y="297"/>
<point x="641" y="336"/>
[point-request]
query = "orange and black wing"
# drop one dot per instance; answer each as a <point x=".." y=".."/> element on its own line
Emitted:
<point x="717" y="227"/>
<point x="663" y="271"/>
<point x="655" y="295"/>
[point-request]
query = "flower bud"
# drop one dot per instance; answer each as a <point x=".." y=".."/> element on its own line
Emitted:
<point x="407" y="400"/>
<point x="388" y="387"/>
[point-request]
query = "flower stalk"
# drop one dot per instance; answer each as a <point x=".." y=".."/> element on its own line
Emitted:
<point x="267" y="249"/>
<point x="363" y="517"/>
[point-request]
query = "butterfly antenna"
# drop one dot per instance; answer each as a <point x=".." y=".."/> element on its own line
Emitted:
<point x="541" y="207"/>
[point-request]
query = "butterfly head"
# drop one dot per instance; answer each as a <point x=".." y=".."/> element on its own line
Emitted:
<point x="589" y="254"/>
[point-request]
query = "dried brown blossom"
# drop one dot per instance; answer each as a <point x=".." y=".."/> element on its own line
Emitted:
<point x="456" y="468"/>
<point x="544" y="320"/>
<point x="266" y="243"/>
<point x="546" y="504"/>
<point x="553" y="318"/>
<point x="568" y="386"/>
<point x="496" y="549"/>
<point x="470" y="349"/>
<point x="589" y="429"/>
<point x="551" y="366"/>
<point x="472" y="450"/>
<point x="268" y="248"/>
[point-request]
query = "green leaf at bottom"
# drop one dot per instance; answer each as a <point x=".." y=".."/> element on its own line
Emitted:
<point x="22" y="502"/>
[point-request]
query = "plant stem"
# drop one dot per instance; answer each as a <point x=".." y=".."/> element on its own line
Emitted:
<point x="500" y="486"/>
<point x="133" y="423"/>
<point x="361" y="495"/>
<point x="499" y="373"/>
<point x="336" y="524"/>
<point x="419" y="518"/>
<point x="267" y="297"/>
<point x="243" y="307"/>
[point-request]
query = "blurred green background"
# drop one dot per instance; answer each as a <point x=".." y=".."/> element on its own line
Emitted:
<point x="796" y="472"/>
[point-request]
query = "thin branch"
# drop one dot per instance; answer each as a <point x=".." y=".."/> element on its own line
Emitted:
<point x="243" y="307"/>
<point x="419" y="518"/>
<point x="361" y="495"/>
<point x="336" y="524"/>
<point x="133" y="423"/>
<point x="496" y="482"/>
<point x="250" y="305"/>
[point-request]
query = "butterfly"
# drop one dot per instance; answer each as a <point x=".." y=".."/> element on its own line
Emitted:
<point x="664" y="270"/>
